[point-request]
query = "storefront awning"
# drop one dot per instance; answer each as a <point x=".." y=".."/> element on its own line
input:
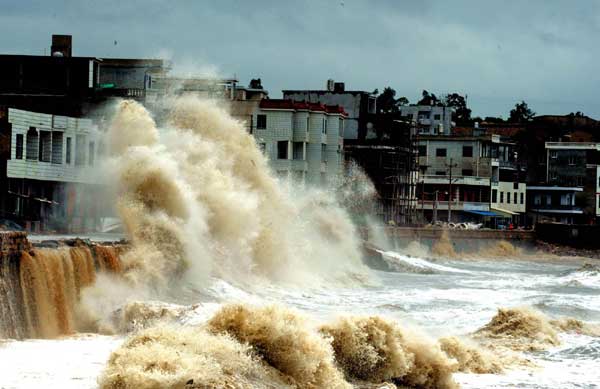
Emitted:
<point x="484" y="213"/>
<point x="505" y="212"/>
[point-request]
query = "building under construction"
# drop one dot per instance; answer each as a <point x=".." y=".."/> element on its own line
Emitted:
<point x="389" y="157"/>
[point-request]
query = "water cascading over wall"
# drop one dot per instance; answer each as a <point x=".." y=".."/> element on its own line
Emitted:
<point x="40" y="287"/>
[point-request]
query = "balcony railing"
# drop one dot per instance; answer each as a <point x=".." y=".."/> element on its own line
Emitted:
<point x="457" y="205"/>
<point x="456" y="180"/>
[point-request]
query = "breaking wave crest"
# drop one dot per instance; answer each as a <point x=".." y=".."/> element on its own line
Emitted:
<point x="525" y="329"/>
<point x="273" y="346"/>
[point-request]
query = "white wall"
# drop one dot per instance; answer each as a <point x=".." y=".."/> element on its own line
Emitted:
<point x="48" y="171"/>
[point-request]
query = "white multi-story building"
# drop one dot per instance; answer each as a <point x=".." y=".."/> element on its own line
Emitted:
<point x="303" y="141"/>
<point x="50" y="171"/>
<point x="431" y="120"/>
<point x="473" y="177"/>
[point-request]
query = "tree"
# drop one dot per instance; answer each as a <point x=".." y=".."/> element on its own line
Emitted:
<point x="521" y="113"/>
<point x="462" y="114"/>
<point x="387" y="102"/>
<point x="429" y="99"/>
<point x="492" y="119"/>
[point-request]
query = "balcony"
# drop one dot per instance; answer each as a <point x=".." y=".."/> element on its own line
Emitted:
<point x="457" y="180"/>
<point x="456" y="205"/>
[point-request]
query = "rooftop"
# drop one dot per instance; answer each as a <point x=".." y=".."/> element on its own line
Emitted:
<point x="300" y="106"/>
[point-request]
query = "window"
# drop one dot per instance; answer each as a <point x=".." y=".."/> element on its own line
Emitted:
<point x="31" y="144"/>
<point x="19" y="147"/>
<point x="501" y="197"/>
<point x="537" y="199"/>
<point x="516" y="185"/>
<point x="522" y="198"/>
<point x="515" y="194"/>
<point x="68" y="151"/>
<point x="422" y="151"/>
<point x="341" y="127"/>
<point x="282" y="149"/>
<point x="324" y="131"/>
<point x="79" y="150"/>
<point x="298" y="150"/>
<point x="261" y="122"/>
<point x="440" y="173"/>
<point x="467" y="172"/>
<point x="437" y="116"/>
<point x="507" y="197"/>
<point x="467" y="151"/>
<point x="91" y="148"/>
<point x="307" y="123"/>
<point x="57" y="147"/>
<point x="553" y="154"/>
<point x="45" y="148"/>
<point x="494" y="195"/>
<point x="323" y="152"/>
<point x="572" y="160"/>
<point x="440" y="152"/>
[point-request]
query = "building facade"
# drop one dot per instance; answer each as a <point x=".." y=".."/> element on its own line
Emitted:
<point x="430" y="120"/>
<point x="470" y="178"/>
<point x="302" y="141"/>
<point x="357" y="105"/>
<point x="50" y="181"/>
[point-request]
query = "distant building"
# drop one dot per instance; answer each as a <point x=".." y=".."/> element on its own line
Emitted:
<point x="357" y="104"/>
<point x="475" y="178"/>
<point x="48" y="181"/>
<point x="430" y="120"/>
<point x="571" y="189"/>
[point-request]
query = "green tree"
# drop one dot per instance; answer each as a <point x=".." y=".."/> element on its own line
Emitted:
<point x="429" y="99"/>
<point x="521" y="113"/>
<point x="387" y="102"/>
<point x="462" y="113"/>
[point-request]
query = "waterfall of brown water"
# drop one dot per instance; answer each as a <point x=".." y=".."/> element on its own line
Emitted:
<point x="11" y="319"/>
<point x="50" y="282"/>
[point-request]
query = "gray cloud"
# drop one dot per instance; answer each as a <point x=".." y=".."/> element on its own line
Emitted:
<point x="544" y="52"/>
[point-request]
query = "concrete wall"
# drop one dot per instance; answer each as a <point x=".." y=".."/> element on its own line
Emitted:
<point x="454" y="149"/>
<point x="425" y="115"/>
<point x="507" y="188"/>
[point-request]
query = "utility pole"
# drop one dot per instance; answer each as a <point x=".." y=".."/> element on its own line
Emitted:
<point x="450" y="166"/>
<point x="435" y="204"/>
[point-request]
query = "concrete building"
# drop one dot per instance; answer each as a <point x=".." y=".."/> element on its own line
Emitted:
<point x="302" y="141"/>
<point x="357" y="105"/>
<point x="49" y="181"/>
<point x="571" y="190"/>
<point x="472" y="178"/>
<point x="430" y="120"/>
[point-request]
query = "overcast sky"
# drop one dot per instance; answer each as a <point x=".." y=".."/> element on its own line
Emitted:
<point x="545" y="52"/>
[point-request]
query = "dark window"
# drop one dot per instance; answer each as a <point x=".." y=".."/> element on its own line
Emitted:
<point x="515" y="194"/>
<point x="307" y="123"/>
<point x="45" y="148"/>
<point x="437" y="116"/>
<point x="298" y="150"/>
<point x="422" y="151"/>
<point x="92" y="146"/>
<point x="440" y="173"/>
<point x="516" y="185"/>
<point x="522" y="198"/>
<point x="467" y="151"/>
<point x="31" y="144"/>
<point x="467" y="172"/>
<point x="68" y="152"/>
<point x="261" y="122"/>
<point x="282" y="149"/>
<point x="57" y="147"/>
<point x="440" y="152"/>
<point x="19" y="147"/>
<point x="507" y="197"/>
<point x="324" y="126"/>
<point x="494" y="195"/>
<point x="501" y="197"/>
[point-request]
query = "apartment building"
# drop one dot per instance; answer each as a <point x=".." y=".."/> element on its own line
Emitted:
<point x="430" y="120"/>
<point x="358" y="105"/>
<point x="303" y="141"/>
<point x="470" y="178"/>
<point x="571" y="189"/>
<point x="49" y="178"/>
